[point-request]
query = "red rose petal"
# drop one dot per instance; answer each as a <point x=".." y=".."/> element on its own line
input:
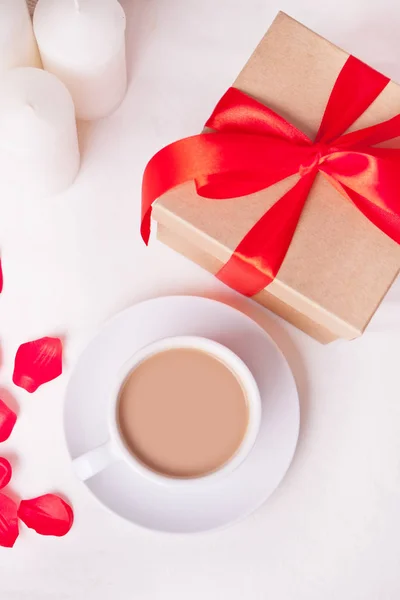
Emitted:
<point x="7" y="421"/>
<point x="37" y="362"/>
<point x="8" y="521"/>
<point x="47" y="515"/>
<point x="5" y="472"/>
<point x="1" y="278"/>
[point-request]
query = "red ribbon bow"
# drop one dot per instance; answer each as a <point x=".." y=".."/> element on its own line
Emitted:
<point x="255" y="148"/>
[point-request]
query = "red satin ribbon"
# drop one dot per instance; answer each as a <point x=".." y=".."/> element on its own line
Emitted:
<point x="253" y="148"/>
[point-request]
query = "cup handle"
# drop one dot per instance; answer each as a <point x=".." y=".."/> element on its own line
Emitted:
<point x="89" y="464"/>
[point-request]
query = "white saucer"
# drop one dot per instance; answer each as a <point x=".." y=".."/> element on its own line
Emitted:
<point x="149" y="504"/>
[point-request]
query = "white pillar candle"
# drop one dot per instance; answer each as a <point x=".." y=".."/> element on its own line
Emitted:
<point x="18" y="46"/>
<point x="83" y="43"/>
<point x="39" y="153"/>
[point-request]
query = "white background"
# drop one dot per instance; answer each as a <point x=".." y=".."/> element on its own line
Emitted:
<point x="332" y="530"/>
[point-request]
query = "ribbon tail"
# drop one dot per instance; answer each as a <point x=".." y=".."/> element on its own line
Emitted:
<point x="259" y="256"/>
<point x="372" y="184"/>
<point x="369" y="136"/>
<point x="386" y="220"/>
<point x="145" y="226"/>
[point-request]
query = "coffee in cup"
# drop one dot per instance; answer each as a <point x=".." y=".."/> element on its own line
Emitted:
<point x="182" y="412"/>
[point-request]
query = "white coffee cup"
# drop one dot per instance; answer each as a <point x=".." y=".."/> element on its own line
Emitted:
<point x="96" y="460"/>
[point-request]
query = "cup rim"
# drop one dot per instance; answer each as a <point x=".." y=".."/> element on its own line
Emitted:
<point x="232" y="361"/>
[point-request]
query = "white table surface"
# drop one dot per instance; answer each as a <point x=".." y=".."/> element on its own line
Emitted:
<point x="332" y="530"/>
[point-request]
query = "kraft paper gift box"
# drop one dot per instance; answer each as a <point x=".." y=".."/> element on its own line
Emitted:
<point x="339" y="265"/>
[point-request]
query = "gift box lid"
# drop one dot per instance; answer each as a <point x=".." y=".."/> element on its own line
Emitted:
<point x="339" y="265"/>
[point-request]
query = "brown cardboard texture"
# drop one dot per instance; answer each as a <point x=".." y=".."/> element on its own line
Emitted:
<point x="339" y="266"/>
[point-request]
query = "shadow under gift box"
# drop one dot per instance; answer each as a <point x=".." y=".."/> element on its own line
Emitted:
<point x="339" y="265"/>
